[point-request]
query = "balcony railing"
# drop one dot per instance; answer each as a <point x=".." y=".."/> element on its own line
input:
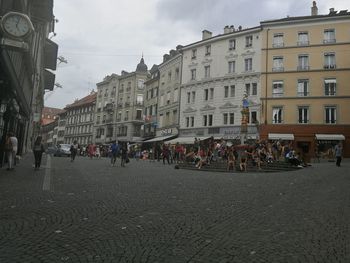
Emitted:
<point x="278" y="69"/>
<point x="303" y="68"/>
<point x="303" y="43"/>
<point x="278" y="45"/>
<point x="329" y="66"/>
<point x="329" y="41"/>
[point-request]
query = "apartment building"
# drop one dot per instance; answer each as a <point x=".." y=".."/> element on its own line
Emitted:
<point x="151" y="104"/>
<point x="130" y="103"/>
<point x="105" y="124"/>
<point x="217" y="72"/>
<point x="305" y="81"/>
<point x="169" y="95"/>
<point x="80" y="120"/>
<point x="61" y="127"/>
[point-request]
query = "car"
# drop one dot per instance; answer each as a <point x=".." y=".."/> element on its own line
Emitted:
<point x="63" y="150"/>
<point x="51" y="150"/>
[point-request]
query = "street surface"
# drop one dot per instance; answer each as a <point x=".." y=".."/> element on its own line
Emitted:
<point x="88" y="211"/>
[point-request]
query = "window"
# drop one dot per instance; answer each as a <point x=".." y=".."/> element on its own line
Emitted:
<point x="206" y="94"/>
<point x="225" y="91"/>
<point x="140" y="84"/>
<point x="139" y="99"/>
<point x="193" y="74"/>
<point x="303" y="62"/>
<point x="329" y="61"/>
<point x="247" y="89"/>
<point x="177" y="73"/>
<point x="303" y="114"/>
<point x="253" y="117"/>
<point x="277" y="64"/>
<point x="233" y="90"/>
<point x="303" y="38"/>
<point x="330" y="114"/>
<point x="232" y="44"/>
<point x="187" y="122"/>
<point x="254" y="89"/>
<point x="330" y="86"/>
<point x="277" y="115"/>
<point x="277" y="89"/>
<point x="194" y="53"/>
<point x="225" y="117"/>
<point x="192" y="121"/>
<point x="174" y="116"/>
<point x="138" y="114"/>
<point x="278" y="40"/>
<point x="211" y="93"/>
<point x="248" y="41"/>
<point x="126" y="115"/>
<point x="208" y="120"/>
<point x="329" y="36"/>
<point x="207" y="50"/>
<point x="248" y="64"/>
<point x="303" y="87"/>
<point x="168" y="97"/>
<point x="231" y="66"/>
<point x="188" y="97"/>
<point x="193" y="96"/>
<point x="207" y="71"/>
<point x="161" y="103"/>
<point x="232" y="118"/>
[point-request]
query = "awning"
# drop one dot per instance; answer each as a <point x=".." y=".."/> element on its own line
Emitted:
<point x="281" y="136"/>
<point x="159" y="138"/>
<point x="330" y="137"/>
<point x="186" y="140"/>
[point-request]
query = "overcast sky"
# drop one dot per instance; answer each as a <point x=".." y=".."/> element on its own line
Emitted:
<point x="99" y="38"/>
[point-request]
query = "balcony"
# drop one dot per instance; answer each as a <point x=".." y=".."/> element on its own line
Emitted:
<point x="303" y="68"/>
<point x="329" y="41"/>
<point x="109" y="120"/>
<point x="139" y="103"/>
<point x="303" y="43"/>
<point x="329" y="66"/>
<point x="278" y="69"/>
<point x="277" y="45"/>
<point x="108" y="107"/>
<point x="127" y="104"/>
<point x="126" y="118"/>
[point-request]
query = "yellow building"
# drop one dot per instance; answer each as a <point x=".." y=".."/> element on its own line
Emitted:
<point x="305" y="83"/>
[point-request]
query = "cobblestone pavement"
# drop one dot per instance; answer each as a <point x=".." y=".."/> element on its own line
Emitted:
<point x="150" y="212"/>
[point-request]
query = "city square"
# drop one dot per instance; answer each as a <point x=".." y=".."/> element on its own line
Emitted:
<point x="89" y="211"/>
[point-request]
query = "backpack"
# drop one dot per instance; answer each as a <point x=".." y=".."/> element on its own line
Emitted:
<point x="8" y="145"/>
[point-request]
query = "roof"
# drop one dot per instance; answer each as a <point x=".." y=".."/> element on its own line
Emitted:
<point x="333" y="14"/>
<point x="51" y="111"/>
<point x="91" y="98"/>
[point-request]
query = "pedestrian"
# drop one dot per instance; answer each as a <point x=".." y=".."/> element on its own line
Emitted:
<point x="38" y="150"/>
<point x="165" y="154"/>
<point x="73" y="150"/>
<point x="14" y="142"/>
<point x="124" y="155"/>
<point x="114" y="152"/>
<point x="338" y="153"/>
<point x="91" y="150"/>
<point x="8" y="148"/>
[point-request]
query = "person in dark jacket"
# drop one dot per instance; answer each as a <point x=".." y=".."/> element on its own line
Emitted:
<point x="124" y="155"/>
<point x="38" y="150"/>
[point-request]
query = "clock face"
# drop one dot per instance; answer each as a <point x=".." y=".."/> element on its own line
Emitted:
<point x="16" y="25"/>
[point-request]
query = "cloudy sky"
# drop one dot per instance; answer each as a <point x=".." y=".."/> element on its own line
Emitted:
<point x="99" y="38"/>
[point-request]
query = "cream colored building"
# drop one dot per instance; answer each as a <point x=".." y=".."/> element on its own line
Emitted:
<point x="305" y="80"/>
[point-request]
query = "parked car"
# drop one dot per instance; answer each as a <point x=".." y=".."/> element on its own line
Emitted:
<point x="51" y="150"/>
<point x="62" y="150"/>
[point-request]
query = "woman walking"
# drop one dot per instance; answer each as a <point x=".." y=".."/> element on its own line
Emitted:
<point x="38" y="150"/>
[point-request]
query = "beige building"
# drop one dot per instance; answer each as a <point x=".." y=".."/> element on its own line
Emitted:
<point x="130" y="105"/>
<point x="305" y="81"/>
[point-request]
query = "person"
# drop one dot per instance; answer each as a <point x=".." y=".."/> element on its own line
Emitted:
<point x="338" y="151"/>
<point x="230" y="161"/>
<point x="38" y="150"/>
<point x="114" y="152"/>
<point x="243" y="163"/>
<point x="124" y="155"/>
<point x="8" y="148"/>
<point x="91" y="150"/>
<point x="73" y="150"/>
<point x="14" y="142"/>
<point x="165" y="153"/>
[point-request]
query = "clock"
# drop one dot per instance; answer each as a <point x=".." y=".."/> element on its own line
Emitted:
<point x="16" y="25"/>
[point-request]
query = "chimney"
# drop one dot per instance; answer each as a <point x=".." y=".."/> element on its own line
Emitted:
<point x="206" y="34"/>
<point x="226" y="29"/>
<point x="178" y="47"/>
<point x="166" y="57"/>
<point x="232" y="29"/>
<point x="314" y="9"/>
<point x="240" y="28"/>
<point x="331" y="11"/>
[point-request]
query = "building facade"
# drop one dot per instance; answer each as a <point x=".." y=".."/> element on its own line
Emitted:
<point x="130" y="104"/>
<point x="151" y="104"/>
<point x="305" y="81"/>
<point x="217" y="72"/>
<point x="105" y="121"/>
<point x="24" y="58"/>
<point x="169" y="95"/>
<point x="80" y="120"/>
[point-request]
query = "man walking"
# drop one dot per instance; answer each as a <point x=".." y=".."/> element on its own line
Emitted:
<point x="114" y="152"/>
<point x="338" y="153"/>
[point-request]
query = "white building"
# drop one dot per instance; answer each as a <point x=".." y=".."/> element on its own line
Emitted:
<point x="216" y="73"/>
